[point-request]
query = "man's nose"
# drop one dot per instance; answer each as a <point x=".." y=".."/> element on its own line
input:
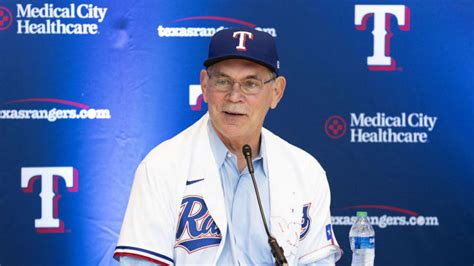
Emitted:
<point x="236" y="93"/>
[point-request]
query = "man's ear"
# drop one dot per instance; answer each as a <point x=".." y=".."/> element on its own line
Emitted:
<point x="278" y="90"/>
<point x="204" y="78"/>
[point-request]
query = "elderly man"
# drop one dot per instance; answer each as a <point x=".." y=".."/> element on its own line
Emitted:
<point x="193" y="200"/>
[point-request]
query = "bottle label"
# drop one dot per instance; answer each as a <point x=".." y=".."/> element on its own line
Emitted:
<point x="363" y="242"/>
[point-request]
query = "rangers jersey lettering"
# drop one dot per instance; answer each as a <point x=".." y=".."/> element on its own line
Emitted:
<point x="196" y="229"/>
<point x="306" y="221"/>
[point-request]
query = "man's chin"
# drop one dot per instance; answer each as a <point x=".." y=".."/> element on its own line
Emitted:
<point x="233" y="131"/>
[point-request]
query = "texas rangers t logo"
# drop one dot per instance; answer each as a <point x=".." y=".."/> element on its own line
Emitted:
<point x="196" y="228"/>
<point x="381" y="60"/>
<point x="49" y="221"/>
<point x="242" y="35"/>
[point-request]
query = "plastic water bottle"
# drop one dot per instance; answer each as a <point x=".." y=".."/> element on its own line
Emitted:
<point x="362" y="238"/>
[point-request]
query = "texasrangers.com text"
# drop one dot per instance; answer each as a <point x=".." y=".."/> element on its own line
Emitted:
<point x="385" y="220"/>
<point x="54" y="114"/>
<point x="199" y="31"/>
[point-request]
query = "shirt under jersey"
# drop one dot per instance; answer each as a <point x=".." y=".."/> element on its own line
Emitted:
<point x="246" y="242"/>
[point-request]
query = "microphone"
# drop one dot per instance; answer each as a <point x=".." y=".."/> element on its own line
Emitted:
<point x="277" y="251"/>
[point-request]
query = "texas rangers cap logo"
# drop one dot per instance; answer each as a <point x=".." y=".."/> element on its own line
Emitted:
<point x="243" y="43"/>
<point x="242" y="36"/>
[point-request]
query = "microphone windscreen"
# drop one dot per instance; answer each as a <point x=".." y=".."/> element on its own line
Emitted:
<point x="247" y="151"/>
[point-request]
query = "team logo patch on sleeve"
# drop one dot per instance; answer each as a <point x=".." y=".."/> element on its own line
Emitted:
<point x="306" y="221"/>
<point x="196" y="228"/>
<point x="328" y="232"/>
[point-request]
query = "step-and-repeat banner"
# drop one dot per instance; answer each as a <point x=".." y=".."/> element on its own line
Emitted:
<point x="380" y="93"/>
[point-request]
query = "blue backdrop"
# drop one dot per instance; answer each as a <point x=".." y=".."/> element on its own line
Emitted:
<point x="93" y="86"/>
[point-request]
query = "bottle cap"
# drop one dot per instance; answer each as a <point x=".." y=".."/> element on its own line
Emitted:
<point x="361" y="214"/>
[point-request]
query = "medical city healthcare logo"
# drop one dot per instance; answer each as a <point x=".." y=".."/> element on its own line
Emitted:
<point x="195" y="29"/>
<point x="382" y="128"/>
<point x="381" y="16"/>
<point x="49" y="18"/>
<point x="48" y="177"/>
<point x="6" y="18"/>
<point x="80" y="111"/>
<point x="335" y="127"/>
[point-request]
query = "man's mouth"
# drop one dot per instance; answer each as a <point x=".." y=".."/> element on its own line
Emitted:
<point x="233" y="113"/>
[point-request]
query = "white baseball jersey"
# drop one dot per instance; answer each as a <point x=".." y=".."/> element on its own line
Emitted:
<point x="176" y="212"/>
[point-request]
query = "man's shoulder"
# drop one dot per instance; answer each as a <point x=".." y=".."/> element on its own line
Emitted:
<point x="179" y="145"/>
<point x="286" y="150"/>
<point x="294" y="167"/>
<point x="170" y="162"/>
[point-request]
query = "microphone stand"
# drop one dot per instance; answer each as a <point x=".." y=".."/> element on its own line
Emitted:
<point x="277" y="251"/>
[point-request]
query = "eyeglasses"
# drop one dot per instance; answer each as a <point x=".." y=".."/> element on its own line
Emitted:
<point x="249" y="86"/>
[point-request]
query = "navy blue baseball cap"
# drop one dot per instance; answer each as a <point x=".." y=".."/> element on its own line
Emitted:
<point x="244" y="43"/>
